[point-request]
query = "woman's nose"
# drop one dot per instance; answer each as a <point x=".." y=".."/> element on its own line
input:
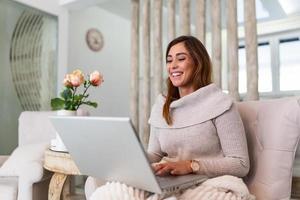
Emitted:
<point x="173" y="65"/>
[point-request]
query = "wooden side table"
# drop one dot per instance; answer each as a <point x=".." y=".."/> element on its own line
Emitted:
<point x="62" y="165"/>
<point x="295" y="193"/>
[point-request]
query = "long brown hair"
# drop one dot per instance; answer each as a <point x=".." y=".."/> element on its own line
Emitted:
<point x="201" y="71"/>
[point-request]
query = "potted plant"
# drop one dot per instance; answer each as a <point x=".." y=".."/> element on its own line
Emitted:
<point x="71" y="98"/>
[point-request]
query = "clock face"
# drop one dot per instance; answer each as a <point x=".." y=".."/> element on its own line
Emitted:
<point x="94" y="39"/>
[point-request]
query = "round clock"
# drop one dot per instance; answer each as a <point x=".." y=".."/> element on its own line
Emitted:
<point x="94" y="39"/>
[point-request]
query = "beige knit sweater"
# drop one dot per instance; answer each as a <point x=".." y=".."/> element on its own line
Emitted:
<point x="206" y="127"/>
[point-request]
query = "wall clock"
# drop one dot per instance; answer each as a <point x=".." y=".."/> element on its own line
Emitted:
<point x="94" y="39"/>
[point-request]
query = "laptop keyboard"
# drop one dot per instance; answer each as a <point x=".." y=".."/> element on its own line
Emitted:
<point x="173" y="184"/>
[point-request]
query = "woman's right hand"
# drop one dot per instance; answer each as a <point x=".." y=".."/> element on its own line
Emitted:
<point x="172" y="168"/>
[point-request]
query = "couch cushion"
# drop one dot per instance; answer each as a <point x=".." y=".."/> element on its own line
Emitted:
<point x="272" y="128"/>
<point x="8" y="188"/>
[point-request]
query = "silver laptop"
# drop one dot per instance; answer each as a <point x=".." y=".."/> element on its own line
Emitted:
<point x="108" y="148"/>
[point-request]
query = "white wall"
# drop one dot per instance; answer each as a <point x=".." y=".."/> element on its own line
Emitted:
<point x="113" y="61"/>
<point x="49" y="6"/>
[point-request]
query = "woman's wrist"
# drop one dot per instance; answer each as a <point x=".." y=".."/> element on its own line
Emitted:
<point x="190" y="166"/>
<point x="195" y="166"/>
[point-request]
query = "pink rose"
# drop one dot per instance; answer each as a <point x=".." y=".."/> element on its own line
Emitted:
<point x="67" y="81"/>
<point x="76" y="78"/>
<point x="96" y="78"/>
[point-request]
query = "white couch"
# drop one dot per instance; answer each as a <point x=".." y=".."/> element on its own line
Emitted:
<point x="22" y="176"/>
<point x="273" y="132"/>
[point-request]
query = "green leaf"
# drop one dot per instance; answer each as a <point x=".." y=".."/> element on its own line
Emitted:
<point x="66" y="94"/>
<point x="89" y="103"/>
<point x="57" y="104"/>
<point x="68" y="105"/>
<point x="78" y="97"/>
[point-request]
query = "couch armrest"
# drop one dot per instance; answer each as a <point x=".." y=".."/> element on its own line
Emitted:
<point x="3" y="159"/>
<point x="35" y="127"/>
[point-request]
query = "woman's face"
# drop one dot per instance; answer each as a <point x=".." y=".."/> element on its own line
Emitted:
<point x="180" y="67"/>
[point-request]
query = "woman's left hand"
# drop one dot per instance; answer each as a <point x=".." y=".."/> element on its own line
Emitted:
<point x="174" y="168"/>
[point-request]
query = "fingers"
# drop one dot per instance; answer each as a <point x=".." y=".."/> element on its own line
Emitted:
<point x="156" y="166"/>
<point x="164" y="170"/>
<point x="177" y="172"/>
<point x="173" y="168"/>
<point x="174" y="172"/>
<point x="160" y="169"/>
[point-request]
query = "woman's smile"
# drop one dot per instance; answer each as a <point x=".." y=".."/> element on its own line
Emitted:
<point x="176" y="74"/>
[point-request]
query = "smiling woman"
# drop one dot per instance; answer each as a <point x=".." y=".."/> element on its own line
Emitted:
<point x="195" y="130"/>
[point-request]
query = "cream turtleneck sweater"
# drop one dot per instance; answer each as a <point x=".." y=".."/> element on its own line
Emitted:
<point x="206" y="127"/>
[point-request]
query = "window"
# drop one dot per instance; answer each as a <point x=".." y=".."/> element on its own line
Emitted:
<point x="278" y="65"/>
<point x="289" y="64"/>
<point x="264" y="68"/>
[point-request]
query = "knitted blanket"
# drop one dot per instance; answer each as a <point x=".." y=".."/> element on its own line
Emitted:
<point x="219" y="188"/>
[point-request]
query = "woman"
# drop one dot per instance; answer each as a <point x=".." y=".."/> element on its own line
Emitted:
<point x="196" y="128"/>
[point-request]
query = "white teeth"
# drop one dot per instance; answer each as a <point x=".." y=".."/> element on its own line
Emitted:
<point x="174" y="74"/>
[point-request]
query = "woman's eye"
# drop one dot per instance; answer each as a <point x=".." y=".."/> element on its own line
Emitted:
<point x="169" y="61"/>
<point x="181" y="59"/>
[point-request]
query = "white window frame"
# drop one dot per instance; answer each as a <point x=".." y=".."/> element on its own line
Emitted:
<point x="274" y="42"/>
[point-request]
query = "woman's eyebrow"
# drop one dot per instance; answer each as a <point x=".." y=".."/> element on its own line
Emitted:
<point x="181" y="53"/>
<point x="178" y="54"/>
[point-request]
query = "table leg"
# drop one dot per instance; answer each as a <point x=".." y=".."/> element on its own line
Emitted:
<point x="56" y="184"/>
<point x="66" y="191"/>
<point x="295" y="188"/>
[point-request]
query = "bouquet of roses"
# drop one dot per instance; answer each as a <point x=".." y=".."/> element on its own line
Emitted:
<point x="70" y="97"/>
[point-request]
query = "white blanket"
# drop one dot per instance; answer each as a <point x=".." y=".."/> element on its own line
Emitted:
<point x="219" y="188"/>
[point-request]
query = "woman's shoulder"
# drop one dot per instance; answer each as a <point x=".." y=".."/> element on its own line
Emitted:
<point x="160" y="99"/>
<point x="159" y="102"/>
<point x="157" y="108"/>
<point x="156" y="117"/>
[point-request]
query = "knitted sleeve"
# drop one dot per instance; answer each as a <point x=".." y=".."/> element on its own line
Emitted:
<point x="235" y="160"/>
<point x="154" y="151"/>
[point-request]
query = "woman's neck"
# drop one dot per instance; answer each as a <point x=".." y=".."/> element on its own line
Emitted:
<point x="185" y="91"/>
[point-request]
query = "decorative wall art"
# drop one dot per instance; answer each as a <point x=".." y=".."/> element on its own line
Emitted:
<point x="33" y="59"/>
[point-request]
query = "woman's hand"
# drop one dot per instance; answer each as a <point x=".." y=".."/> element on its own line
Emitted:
<point x="174" y="168"/>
